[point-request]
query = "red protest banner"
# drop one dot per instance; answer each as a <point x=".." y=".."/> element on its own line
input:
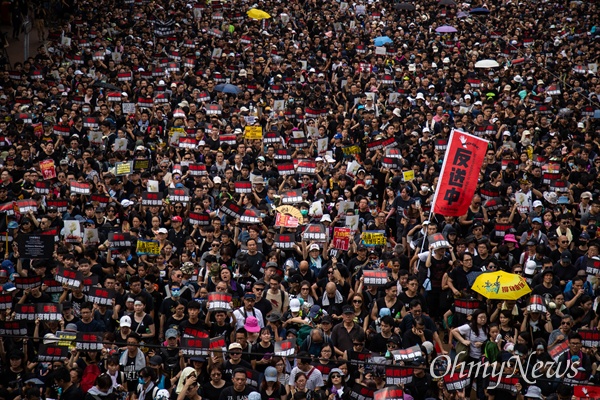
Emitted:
<point x="460" y="173"/>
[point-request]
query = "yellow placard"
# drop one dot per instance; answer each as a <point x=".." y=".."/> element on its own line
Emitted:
<point x="350" y="150"/>
<point x="253" y="132"/>
<point x="124" y="168"/>
<point x="147" y="247"/>
<point x="408" y="175"/>
<point x="373" y="239"/>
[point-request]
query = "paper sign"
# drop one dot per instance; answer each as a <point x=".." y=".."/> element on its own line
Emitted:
<point x="589" y="338"/>
<point x="285" y="240"/>
<point x="352" y="222"/>
<point x="81" y="188"/>
<point x="89" y="341"/>
<point x="375" y="278"/>
<point x="35" y="246"/>
<point x="219" y="301"/>
<point x="152" y="199"/>
<point x="286" y="221"/>
<point x="253" y="132"/>
<point x="147" y="247"/>
<point x="48" y="169"/>
<point x="90" y="236"/>
<point x="285" y="348"/>
<point x="124" y="168"/>
<point x="118" y="240"/>
<point x="407" y="354"/>
<point x="389" y="393"/>
<point x="27" y="282"/>
<point x="398" y="375"/>
<point x="72" y="279"/>
<point x="195" y="346"/>
<point x="72" y="231"/>
<point x="243" y="187"/>
<point x="315" y="232"/>
<point x="52" y="352"/>
<point x="374" y="238"/>
<point x="98" y="295"/>
<point x="438" y="241"/>
<point x="49" y="311"/>
<point x="341" y="238"/>
<point x="408" y="175"/>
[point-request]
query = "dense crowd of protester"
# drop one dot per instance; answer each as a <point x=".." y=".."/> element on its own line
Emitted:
<point x="180" y="151"/>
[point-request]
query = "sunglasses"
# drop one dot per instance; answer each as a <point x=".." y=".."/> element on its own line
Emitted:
<point x="336" y="376"/>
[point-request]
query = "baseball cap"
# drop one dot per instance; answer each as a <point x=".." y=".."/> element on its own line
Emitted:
<point x="348" y="310"/>
<point x="171" y="333"/>
<point x="177" y="218"/>
<point x="294" y="305"/>
<point x="125" y="321"/>
<point x="233" y="346"/>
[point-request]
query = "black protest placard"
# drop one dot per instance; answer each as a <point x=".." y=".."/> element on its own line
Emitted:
<point x="196" y="218"/>
<point x="250" y="217"/>
<point x="99" y="295"/>
<point x="73" y="279"/>
<point x="89" y="341"/>
<point x="232" y="209"/>
<point x="152" y="199"/>
<point x="120" y="240"/>
<point x="179" y="195"/>
<point x="35" y="245"/>
<point x="13" y="328"/>
<point x="49" y="311"/>
<point x="25" y="312"/>
<point x="285" y="240"/>
<point x="195" y="346"/>
<point x="316" y="232"/>
<point x="28" y="282"/>
<point x="52" y="352"/>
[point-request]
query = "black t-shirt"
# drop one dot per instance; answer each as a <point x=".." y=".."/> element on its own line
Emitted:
<point x="131" y="375"/>
<point x="230" y="393"/>
<point x="258" y="352"/>
<point x="210" y="392"/>
<point x="228" y="368"/>
<point x="73" y="393"/>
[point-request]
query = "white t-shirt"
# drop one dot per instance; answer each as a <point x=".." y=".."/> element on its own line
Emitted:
<point x="468" y="334"/>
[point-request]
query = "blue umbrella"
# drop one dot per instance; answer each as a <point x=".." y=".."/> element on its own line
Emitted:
<point x="479" y="11"/>
<point x="382" y="40"/>
<point x="227" y="88"/>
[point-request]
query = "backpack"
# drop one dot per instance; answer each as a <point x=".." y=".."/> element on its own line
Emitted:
<point x="90" y="373"/>
<point x="303" y="334"/>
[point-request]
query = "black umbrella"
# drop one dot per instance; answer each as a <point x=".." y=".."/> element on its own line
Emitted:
<point x="104" y="85"/>
<point x="405" y="6"/>
<point x="447" y="3"/>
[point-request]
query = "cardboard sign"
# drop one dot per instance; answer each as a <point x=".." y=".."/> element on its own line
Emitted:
<point x="282" y="155"/>
<point x="306" y="167"/>
<point x="285" y="348"/>
<point x="466" y="307"/>
<point x="179" y="195"/>
<point x="49" y="311"/>
<point x="189" y="332"/>
<point x="341" y="238"/>
<point x="48" y="169"/>
<point x="250" y="217"/>
<point x="25" y="312"/>
<point x="42" y="187"/>
<point x="81" y="188"/>
<point x="291" y="196"/>
<point x="556" y="351"/>
<point x="52" y="352"/>
<point x="147" y="247"/>
<point x="27" y="205"/>
<point x="152" y="199"/>
<point x="13" y="328"/>
<point x="90" y="236"/>
<point x="360" y="392"/>
<point x="352" y="222"/>
<point x="253" y="132"/>
<point x="119" y="240"/>
<point x="195" y="346"/>
<point x="286" y="221"/>
<point x="438" y="241"/>
<point x="141" y="164"/>
<point x="374" y="238"/>
<point x="592" y="269"/>
<point x="100" y="198"/>
<point x="315" y="232"/>
<point x="217" y="343"/>
<point x="407" y="354"/>
<point x="285" y="240"/>
<point x="28" y="282"/>
<point x="89" y="341"/>
<point x="232" y="209"/>
<point x="219" y="301"/>
<point x="408" y="176"/>
<point x="90" y="281"/>
<point x="35" y="245"/>
<point x="398" y="375"/>
<point x="589" y="338"/>
<point x="61" y="205"/>
<point x="457" y="381"/>
<point x="72" y="231"/>
<point x="98" y="295"/>
<point x="72" y="279"/>
<point x="52" y="286"/>
<point x="390" y="162"/>
<point x="6" y="301"/>
<point x="197" y="169"/>
<point x="243" y="187"/>
<point x="389" y="393"/>
<point x="351" y="150"/>
<point x="124" y="168"/>
<point x="375" y="278"/>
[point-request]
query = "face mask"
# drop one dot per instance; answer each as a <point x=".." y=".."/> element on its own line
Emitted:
<point x="86" y="110"/>
<point x="197" y="54"/>
<point x="304" y="212"/>
<point x="571" y="165"/>
<point x="175" y="292"/>
<point x="141" y="381"/>
<point x="368" y="181"/>
<point x="424" y="188"/>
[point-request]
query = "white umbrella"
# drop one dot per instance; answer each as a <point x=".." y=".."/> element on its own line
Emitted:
<point x="487" y="64"/>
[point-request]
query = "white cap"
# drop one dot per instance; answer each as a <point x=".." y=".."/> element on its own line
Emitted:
<point x="325" y="217"/>
<point x="163" y="230"/>
<point x="216" y="180"/>
<point x="397" y="112"/>
<point x="125" y="321"/>
<point x="64" y="94"/>
<point x="467" y="96"/>
<point x="530" y="267"/>
<point x="140" y="148"/>
<point x="420" y="96"/>
<point x="506" y="133"/>
<point x="294" y="305"/>
<point x="537" y="203"/>
<point x="161" y="83"/>
<point x="313" y="246"/>
<point x="127" y="203"/>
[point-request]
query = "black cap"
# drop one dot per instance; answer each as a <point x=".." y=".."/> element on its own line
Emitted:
<point x="348" y="310"/>
<point x="67" y="305"/>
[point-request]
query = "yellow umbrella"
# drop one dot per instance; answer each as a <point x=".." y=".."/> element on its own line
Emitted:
<point x="501" y="285"/>
<point x="255" y="13"/>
